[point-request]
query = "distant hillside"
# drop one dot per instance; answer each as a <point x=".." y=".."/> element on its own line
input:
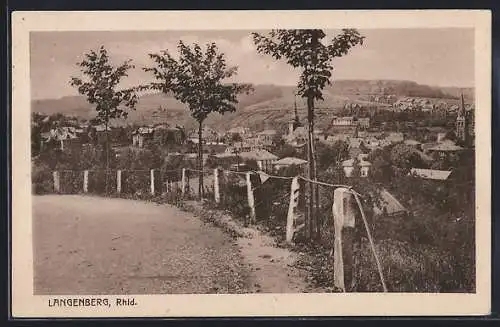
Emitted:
<point x="267" y="103"/>
<point x="398" y="88"/>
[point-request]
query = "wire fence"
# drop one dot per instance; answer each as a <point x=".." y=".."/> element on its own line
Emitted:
<point x="254" y="195"/>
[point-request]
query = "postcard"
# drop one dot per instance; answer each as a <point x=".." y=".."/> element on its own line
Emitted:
<point x="251" y="163"/>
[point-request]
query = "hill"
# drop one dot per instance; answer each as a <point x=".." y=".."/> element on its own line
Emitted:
<point x="266" y="104"/>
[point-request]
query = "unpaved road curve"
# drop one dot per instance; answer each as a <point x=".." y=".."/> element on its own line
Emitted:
<point x="91" y="245"/>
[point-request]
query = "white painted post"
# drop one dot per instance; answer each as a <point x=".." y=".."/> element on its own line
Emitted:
<point x="343" y="216"/>
<point x="57" y="185"/>
<point x="251" y="201"/>
<point x="118" y="181"/>
<point x="183" y="182"/>
<point x="216" y="186"/>
<point x="152" y="181"/>
<point x="85" y="181"/>
<point x="294" y="196"/>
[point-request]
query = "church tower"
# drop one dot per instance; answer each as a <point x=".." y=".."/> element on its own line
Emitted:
<point x="460" y="124"/>
<point x="294" y="122"/>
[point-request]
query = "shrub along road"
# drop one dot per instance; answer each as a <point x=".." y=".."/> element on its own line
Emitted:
<point x="91" y="245"/>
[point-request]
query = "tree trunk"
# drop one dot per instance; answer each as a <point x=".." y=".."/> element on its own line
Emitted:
<point x="200" y="159"/>
<point x="311" y="173"/>
<point x="107" y="155"/>
<point x="312" y="164"/>
<point x="316" y="198"/>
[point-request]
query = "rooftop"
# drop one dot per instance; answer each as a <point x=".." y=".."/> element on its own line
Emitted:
<point x="288" y="161"/>
<point x="431" y="173"/>
<point x="258" y="155"/>
<point x="390" y="204"/>
<point x="446" y="146"/>
<point x="268" y="132"/>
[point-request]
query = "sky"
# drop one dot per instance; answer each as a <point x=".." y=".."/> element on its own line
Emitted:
<point x="436" y="57"/>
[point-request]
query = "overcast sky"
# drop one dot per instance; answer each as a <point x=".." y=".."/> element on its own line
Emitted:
<point x="441" y="57"/>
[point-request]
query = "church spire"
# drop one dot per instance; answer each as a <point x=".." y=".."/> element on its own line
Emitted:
<point x="461" y="111"/>
<point x="461" y="128"/>
<point x="296" y="114"/>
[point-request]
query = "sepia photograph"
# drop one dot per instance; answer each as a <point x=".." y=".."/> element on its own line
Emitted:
<point x="249" y="161"/>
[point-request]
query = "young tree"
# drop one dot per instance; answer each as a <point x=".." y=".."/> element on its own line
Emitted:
<point x="197" y="79"/>
<point x="305" y="49"/>
<point x="100" y="87"/>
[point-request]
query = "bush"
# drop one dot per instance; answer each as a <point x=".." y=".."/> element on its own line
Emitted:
<point x="272" y="200"/>
<point x="406" y="268"/>
<point x="71" y="182"/>
<point x="412" y="268"/>
<point x="234" y="196"/>
<point x="136" y="182"/>
<point x="136" y="159"/>
<point x="97" y="182"/>
<point x="41" y="179"/>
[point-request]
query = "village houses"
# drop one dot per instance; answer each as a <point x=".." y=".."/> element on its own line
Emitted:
<point x="349" y="165"/>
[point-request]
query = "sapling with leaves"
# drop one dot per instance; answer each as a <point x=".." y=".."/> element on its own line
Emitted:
<point x="198" y="79"/>
<point x="100" y="85"/>
<point x="308" y="51"/>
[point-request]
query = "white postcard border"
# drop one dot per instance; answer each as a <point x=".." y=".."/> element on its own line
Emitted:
<point x="25" y="304"/>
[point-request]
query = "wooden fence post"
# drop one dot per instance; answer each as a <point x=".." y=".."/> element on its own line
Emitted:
<point x="57" y="184"/>
<point x="85" y="181"/>
<point x="183" y="181"/>
<point x="152" y="179"/>
<point x="251" y="200"/>
<point x="118" y="181"/>
<point x="216" y="186"/>
<point x="294" y="199"/>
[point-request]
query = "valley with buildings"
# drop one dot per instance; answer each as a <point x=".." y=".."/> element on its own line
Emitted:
<point x="430" y="126"/>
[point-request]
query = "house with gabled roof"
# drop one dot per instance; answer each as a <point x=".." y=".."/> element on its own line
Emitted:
<point x="265" y="159"/>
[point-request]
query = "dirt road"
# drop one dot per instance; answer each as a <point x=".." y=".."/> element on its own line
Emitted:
<point x="90" y="245"/>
